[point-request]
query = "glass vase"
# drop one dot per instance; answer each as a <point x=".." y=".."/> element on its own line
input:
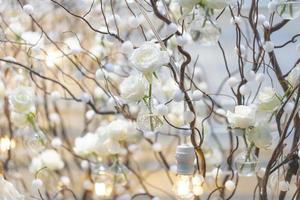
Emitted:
<point x="246" y="162"/>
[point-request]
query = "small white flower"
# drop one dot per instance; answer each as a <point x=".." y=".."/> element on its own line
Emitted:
<point x="87" y="144"/>
<point x="65" y="180"/>
<point x="85" y="97"/>
<point x="55" y="95"/>
<point x="188" y="116"/>
<point x="171" y="28"/>
<point x="261" y="19"/>
<point x="133" y="22"/>
<point x="28" y="9"/>
<point x="261" y="172"/>
<point x="49" y="159"/>
<point x="267" y="99"/>
<point x="260" y="77"/>
<point x="157" y="147"/>
<point x="216" y="172"/>
<point x="149" y="134"/>
<point x="243" y="117"/>
<point x="133" y="88"/>
<point x="54" y="118"/>
<point x="197" y="95"/>
<point x="37" y="184"/>
<point x="100" y="74"/>
<point x="90" y="114"/>
<point x="178" y="96"/>
<point x="127" y="48"/>
<point x="56" y="142"/>
<point x="268" y="46"/>
<point x="87" y="185"/>
<point x="22" y="100"/>
<point x="289" y="107"/>
<point x="236" y="20"/>
<point x="230" y="185"/>
<point x="245" y="89"/>
<point x="182" y="40"/>
<point x="162" y="109"/>
<point x="221" y="111"/>
<point x="266" y="24"/>
<point x="173" y="169"/>
<point x="148" y="58"/>
<point x="249" y="75"/>
<point x="84" y="165"/>
<point x="233" y="81"/>
<point x="203" y="86"/>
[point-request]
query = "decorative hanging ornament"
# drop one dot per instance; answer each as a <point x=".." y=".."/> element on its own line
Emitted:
<point x="183" y="185"/>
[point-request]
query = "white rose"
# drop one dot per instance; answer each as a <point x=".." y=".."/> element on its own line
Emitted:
<point x="148" y="58"/>
<point x="260" y="135"/>
<point x="87" y="144"/>
<point x="19" y="119"/>
<point x="120" y="130"/>
<point x="294" y="76"/>
<point x="243" y="117"/>
<point x="52" y="160"/>
<point x="133" y="88"/>
<point x="22" y="100"/>
<point x="267" y="99"/>
<point x="49" y="159"/>
<point x="8" y="191"/>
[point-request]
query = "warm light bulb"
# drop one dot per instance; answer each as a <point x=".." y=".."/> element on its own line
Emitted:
<point x="6" y="144"/>
<point x="103" y="189"/>
<point x="183" y="187"/>
<point x="103" y="181"/>
<point x="198" y="190"/>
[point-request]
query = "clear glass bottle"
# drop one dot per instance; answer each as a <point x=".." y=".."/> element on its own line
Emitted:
<point x="246" y="162"/>
<point x="103" y="181"/>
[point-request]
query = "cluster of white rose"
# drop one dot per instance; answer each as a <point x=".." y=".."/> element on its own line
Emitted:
<point x="22" y="104"/>
<point x="247" y="118"/>
<point x="107" y="140"/>
<point x="136" y="85"/>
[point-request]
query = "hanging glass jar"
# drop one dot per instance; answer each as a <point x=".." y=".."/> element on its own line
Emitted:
<point x="289" y="9"/>
<point x="120" y="173"/>
<point x="103" y="181"/>
<point x="205" y="30"/>
<point x="246" y="162"/>
<point x="36" y="141"/>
